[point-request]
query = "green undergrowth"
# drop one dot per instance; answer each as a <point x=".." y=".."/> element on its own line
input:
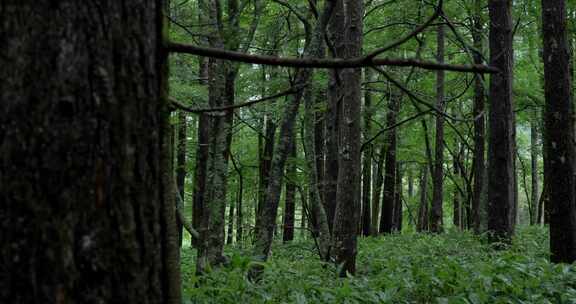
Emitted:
<point x="411" y="268"/>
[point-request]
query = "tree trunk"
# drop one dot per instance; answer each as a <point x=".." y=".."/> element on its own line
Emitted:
<point x="200" y="174"/>
<point x="367" y="158"/>
<point x="398" y="210"/>
<point x="458" y="208"/>
<point x="335" y="34"/>
<point x="290" y="197"/>
<point x="319" y="138"/>
<point x="387" y="212"/>
<point x="83" y="210"/>
<point x="423" y="208"/>
<point x="377" y="190"/>
<point x="239" y="215"/>
<point x="535" y="192"/>
<point x="436" y="212"/>
<point x="181" y="162"/>
<point x="479" y="120"/>
<point x="266" y="159"/>
<point x="410" y="173"/>
<point x="501" y="150"/>
<point x="559" y="142"/>
<point x="230" y="234"/>
<point x="349" y="161"/>
<point x="320" y="226"/>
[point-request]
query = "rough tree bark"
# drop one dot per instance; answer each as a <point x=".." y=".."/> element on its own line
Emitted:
<point x="423" y="208"/>
<point x="501" y="150"/>
<point x="347" y="215"/>
<point x="436" y="212"/>
<point x="559" y="143"/>
<point x="83" y="134"/>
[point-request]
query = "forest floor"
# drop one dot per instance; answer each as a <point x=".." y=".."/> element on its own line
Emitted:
<point x="455" y="267"/>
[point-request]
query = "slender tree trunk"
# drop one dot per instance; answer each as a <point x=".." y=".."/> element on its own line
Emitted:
<point x="377" y="190"/>
<point x="410" y="173"/>
<point x="200" y="173"/>
<point x="230" y="234"/>
<point x="423" y="208"/>
<point x="436" y="212"/>
<point x="387" y="209"/>
<point x="181" y="161"/>
<point x="479" y="119"/>
<point x="535" y="192"/>
<point x="367" y="158"/>
<point x="559" y="123"/>
<point x="266" y="159"/>
<point x="290" y="198"/>
<point x="84" y="210"/>
<point x="349" y="162"/>
<point x="239" y="197"/>
<point x="319" y="138"/>
<point x="398" y="207"/>
<point x="458" y="208"/>
<point x="317" y="212"/>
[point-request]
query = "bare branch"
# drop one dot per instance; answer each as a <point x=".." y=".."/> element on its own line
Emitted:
<point x="357" y="62"/>
<point x="185" y="108"/>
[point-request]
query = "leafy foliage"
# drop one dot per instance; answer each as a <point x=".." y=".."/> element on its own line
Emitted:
<point x="411" y="268"/>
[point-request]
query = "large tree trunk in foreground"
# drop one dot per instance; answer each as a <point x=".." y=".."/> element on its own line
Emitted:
<point x="347" y="214"/>
<point x="501" y="150"/>
<point x="83" y="128"/>
<point x="559" y="142"/>
<point x="436" y="212"/>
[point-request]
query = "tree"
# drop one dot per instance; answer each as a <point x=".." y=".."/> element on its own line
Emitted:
<point x="290" y="197"/>
<point x="367" y="157"/>
<point x="388" y="192"/>
<point x="86" y="209"/>
<point x="349" y="161"/>
<point x="559" y="140"/>
<point x="501" y="150"/>
<point x="479" y="118"/>
<point x="436" y="211"/>
<point x="181" y="159"/>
